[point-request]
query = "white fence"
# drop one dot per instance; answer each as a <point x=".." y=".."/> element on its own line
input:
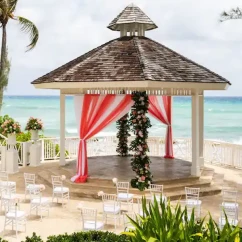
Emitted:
<point x="215" y="152"/>
<point x="220" y="153"/>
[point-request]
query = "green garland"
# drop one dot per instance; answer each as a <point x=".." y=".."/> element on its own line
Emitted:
<point x="140" y="124"/>
<point x="122" y="135"/>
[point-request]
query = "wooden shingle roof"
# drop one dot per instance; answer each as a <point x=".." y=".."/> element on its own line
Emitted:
<point x="132" y="14"/>
<point x="131" y="59"/>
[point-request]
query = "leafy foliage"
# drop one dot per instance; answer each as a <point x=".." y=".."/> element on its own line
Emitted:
<point x="28" y="27"/>
<point x="139" y="124"/>
<point x="122" y="135"/>
<point x="4" y="118"/>
<point x="234" y="13"/>
<point x="81" y="237"/>
<point x="33" y="238"/>
<point x="164" y="223"/>
<point x="24" y="137"/>
<point x="7" y="12"/>
<point x="4" y="74"/>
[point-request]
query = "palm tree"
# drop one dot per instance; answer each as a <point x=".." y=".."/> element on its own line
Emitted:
<point x="234" y="13"/>
<point x="7" y="12"/>
<point x="4" y="76"/>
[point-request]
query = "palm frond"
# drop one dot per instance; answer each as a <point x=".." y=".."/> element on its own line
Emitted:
<point x="29" y="27"/>
<point x="12" y="5"/>
<point x="234" y="13"/>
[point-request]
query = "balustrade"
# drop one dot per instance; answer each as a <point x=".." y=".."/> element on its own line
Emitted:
<point x="219" y="153"/>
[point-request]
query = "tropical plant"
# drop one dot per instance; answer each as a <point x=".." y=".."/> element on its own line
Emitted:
<point x="162" y="222"/>
<point x="34" y="124"/>
<point x="4" y="76"/>
<point x="7" y="12"/>
<point x="234" y="13"/>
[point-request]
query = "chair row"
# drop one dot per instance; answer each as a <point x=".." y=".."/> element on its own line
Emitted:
<point x="10" y="200"/>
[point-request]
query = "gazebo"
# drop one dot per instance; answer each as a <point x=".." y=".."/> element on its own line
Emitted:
<point x="131" y="63"/>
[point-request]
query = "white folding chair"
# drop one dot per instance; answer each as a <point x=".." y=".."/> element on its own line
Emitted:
<point x="190" y="208"/>
<point x="29" y="180"/>
<point x="192" y="197"/>
<point x="157" y="192"/>
<point x="140" y="205"/>
<point x="7" y="198"/>
<point x="123" y="194"/>
<point x="38" y="203"/>
<point x="127" y="224"/>
<point x="231" y="213"/>
<point x="15" y="217"/>
<point x="230" y="199"/>
<point x="89" y="219"/>
<point x="5" y="184"/>
<point x="59" y="191"/>
<point x="111" y="207"/>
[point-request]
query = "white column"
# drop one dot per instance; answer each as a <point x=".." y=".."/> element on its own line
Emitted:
<point x="62" y="129"/>
<point x="195" y="169"/>
<point x="201" y="129"/>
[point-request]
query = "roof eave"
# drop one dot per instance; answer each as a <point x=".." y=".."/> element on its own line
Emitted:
<point x="114" y="26"/>
<point x="133" y="85"/>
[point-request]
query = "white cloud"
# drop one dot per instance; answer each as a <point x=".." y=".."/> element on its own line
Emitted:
<point x="70" y="28"/>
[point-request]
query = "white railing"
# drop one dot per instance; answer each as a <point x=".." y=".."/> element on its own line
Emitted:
<point x="221" y="153"/>
<point x="215" y="152"/>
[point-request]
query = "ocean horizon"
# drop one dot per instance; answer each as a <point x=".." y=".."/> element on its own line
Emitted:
<point x="222" y="116"/>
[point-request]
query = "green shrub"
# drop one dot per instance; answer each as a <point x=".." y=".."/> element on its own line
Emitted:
<point x="33" y="238"/>
<point x="99" y="236"/>
<point x="161" y="223"/>
<point x="89" y="236"/>
<point x="23" y="137"/>
<point x="57" y="151"/>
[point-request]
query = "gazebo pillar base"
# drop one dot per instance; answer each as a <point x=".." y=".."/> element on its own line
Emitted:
<point x="195" y="169"/>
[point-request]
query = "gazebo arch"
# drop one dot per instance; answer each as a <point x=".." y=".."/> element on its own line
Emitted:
<point x="134" y="62"/>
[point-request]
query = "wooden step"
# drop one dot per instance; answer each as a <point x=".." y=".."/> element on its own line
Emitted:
<point x="174" y="189"/>
<point x="46" y="175"/>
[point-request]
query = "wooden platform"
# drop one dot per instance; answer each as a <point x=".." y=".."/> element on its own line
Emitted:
<point x="108" y="167"/>
<point x="173" y="174"/>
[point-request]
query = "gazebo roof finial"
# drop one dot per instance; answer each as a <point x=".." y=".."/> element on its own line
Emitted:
<point x="133" y="20"/>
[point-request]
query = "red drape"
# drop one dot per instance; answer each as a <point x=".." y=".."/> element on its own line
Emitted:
<point x="94" y="112"/>
<point x="160" y="108"/>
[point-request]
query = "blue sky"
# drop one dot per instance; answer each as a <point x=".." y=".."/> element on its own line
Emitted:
<point x="68" y="29"/>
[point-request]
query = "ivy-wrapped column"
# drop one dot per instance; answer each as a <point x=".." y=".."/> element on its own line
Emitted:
<point x="122" y="135"/>
<point x="139" y="123"/>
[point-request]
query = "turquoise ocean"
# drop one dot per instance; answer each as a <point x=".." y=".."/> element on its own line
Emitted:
<point x="223" y="116"/>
